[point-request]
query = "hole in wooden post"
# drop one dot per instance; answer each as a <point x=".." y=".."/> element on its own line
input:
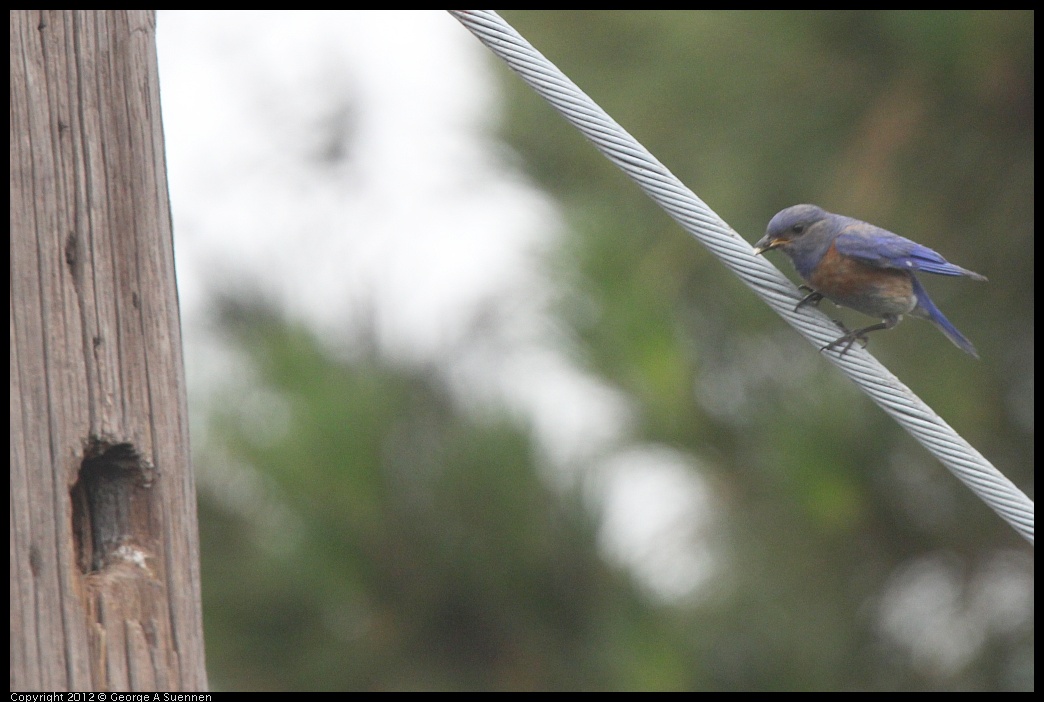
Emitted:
<point x="110" y="509"/>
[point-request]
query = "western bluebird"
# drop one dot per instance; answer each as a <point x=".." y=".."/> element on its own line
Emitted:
<point x="861" y="266"/>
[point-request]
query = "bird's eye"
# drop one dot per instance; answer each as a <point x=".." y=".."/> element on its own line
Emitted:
<point x="798" y="228"/>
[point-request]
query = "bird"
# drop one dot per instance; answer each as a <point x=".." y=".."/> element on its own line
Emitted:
<point x="862" y="266"/>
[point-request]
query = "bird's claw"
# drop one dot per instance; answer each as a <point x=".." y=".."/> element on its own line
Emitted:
<point x="813" y="298"/>
<point x="848" y="339"/>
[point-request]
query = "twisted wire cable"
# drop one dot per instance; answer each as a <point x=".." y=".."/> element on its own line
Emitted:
<point x="735" y="252"/>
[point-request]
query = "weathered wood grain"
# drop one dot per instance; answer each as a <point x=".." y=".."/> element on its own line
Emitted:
<point x="105" y="589"/>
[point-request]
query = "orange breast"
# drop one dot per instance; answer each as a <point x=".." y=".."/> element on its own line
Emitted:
<point x="874" y="291"/>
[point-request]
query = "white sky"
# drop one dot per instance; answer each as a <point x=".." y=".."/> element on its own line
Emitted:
<point x="420" y="227"/>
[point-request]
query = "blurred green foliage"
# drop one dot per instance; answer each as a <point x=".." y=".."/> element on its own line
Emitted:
<point x="396" y="541"/>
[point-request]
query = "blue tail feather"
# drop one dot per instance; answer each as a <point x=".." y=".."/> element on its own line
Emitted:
<point x="927" y="309"/>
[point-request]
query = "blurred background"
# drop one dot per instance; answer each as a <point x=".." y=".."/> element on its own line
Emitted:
<point x="470" y="412"/>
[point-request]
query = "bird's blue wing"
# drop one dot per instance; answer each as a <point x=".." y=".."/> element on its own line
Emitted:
<point x="883" y="249"/>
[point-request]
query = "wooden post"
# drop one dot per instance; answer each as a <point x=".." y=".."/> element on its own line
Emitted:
<point x="105" y="591"/>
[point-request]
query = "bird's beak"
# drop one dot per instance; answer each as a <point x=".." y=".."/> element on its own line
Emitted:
<point x="764" y="244"/>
